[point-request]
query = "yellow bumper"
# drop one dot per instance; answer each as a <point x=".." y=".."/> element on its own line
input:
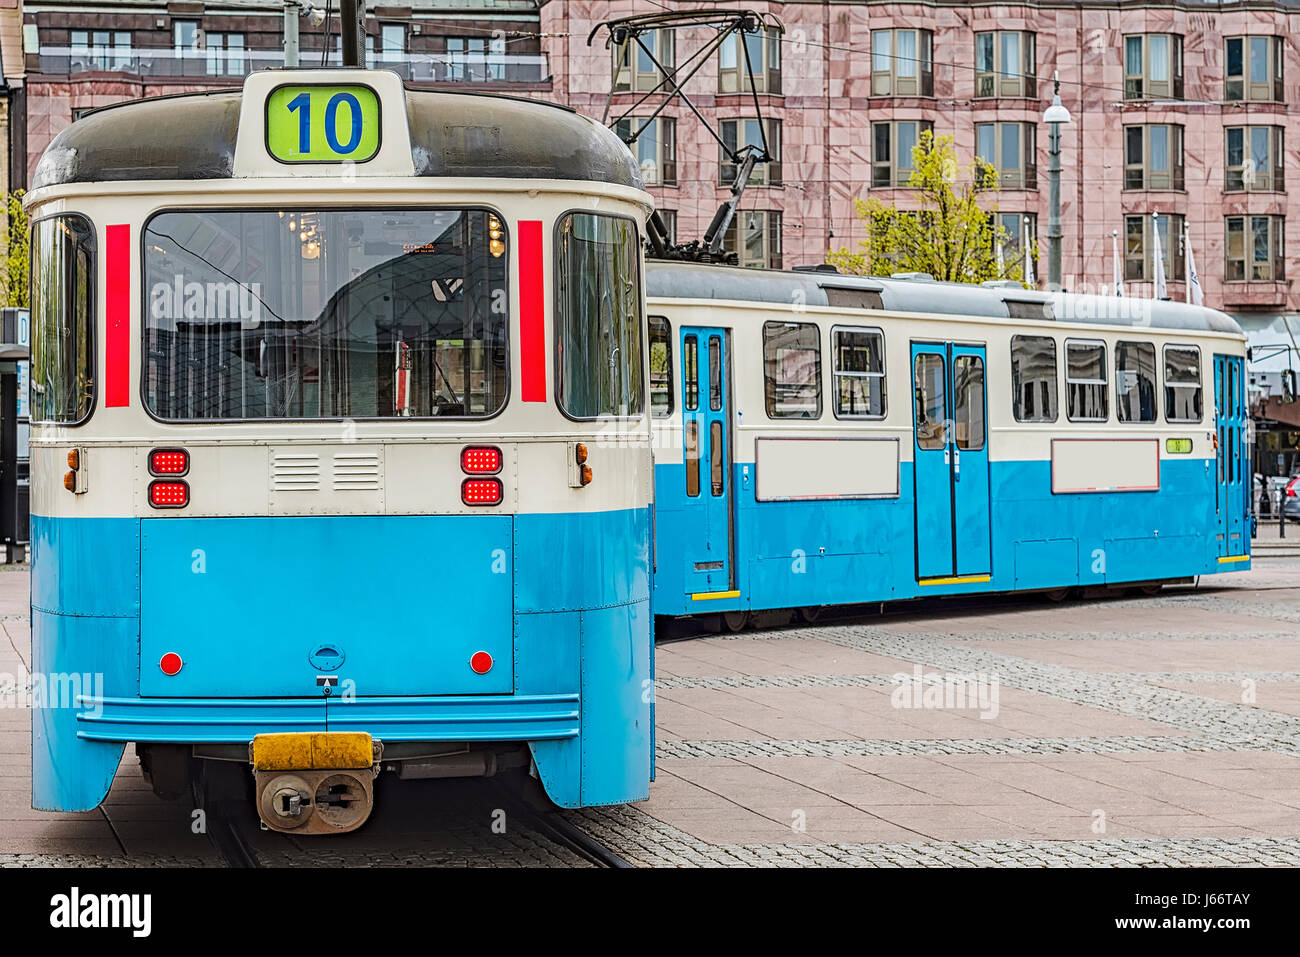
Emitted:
<point x="312" y="750"/>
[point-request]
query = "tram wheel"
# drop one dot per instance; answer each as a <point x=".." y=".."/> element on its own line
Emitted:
<point x="1057" y="594"/>
<point x="1150" y="590"/>
<point x="735" y="620"/>
<point x="811" y="613"/>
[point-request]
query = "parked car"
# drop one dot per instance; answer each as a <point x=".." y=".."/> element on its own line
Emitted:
<point x="1291" y="498"/>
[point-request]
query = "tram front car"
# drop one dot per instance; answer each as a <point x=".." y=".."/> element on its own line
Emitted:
<point x="340" y="453"/>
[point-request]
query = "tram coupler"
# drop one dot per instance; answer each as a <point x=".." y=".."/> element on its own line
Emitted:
<point x="315" y="782"/>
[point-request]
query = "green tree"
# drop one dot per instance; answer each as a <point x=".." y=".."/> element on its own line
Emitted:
<point x="17" y="252"/>
<point x="950" y="235"/>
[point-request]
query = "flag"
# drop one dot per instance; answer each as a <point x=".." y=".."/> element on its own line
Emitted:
<point x="1002" y="266"/>
<point x="1029" y="258"/>
<point x="1194" y="293"/>
<point x="1118" y="279"/>
<point x="1158" y="269"/>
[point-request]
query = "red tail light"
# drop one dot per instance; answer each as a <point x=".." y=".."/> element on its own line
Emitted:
<point x="480" y="492"/>
<point x="480" y="460"/>
<point x="169" y="494"/>
<point x="169" y="462"/>
<point x="1291" y="488"/>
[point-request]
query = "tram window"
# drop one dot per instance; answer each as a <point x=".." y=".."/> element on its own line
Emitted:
<point x="715" y="374"/>
<point x="1085" y="382"/>
<point x="691" y="372"/>
<point x="858" y="365"/>
<point x="598" y="316"/>
<point x="716" y="458"/>
<point x="693" y="458"/>
<point x="792" y="370"/>
<point x="1135" y="381"/>
<point x="1183" y="384"/>
<point x="968" y="398"/>
<point x="325" y="313"/>
<point x="1033" y="378"/>
<point x="661" y="367"/>
<point x="63" y="319"/>
<point x="931" y="402"/>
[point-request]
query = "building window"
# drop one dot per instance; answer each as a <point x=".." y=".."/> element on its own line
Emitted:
<point x="225" y="54"/>
<point x="669" y="218"/>
<point x="1253" y="68"/>
<point x="1010" y="148"/>
<point x="736" y="135"/>
<point x="1254" y="159"/>
<point x="634" y="70"/>
<point x="1138" y="246"/>
<point x="187" y="37"/>
<point x="1153" y="66"/>
<point x="63" y="319"/>
<point x="792" y="370"/>
<point x="755" y="237"/>
<point x="655" y="147"/>
<point x="1004" y="64"/>
<point x="764" y="50"/>
<point x="1135" y="381"/>
<point x="661" y="367"/>
<point x="902" y="63"/>
<point x="1255" y="248"/>
<point x="858" y="367"/>
<point x="1153" y="157"/>
<point x="392" y="43"/>
<point x="472" y="59"/>
<point x="1033" y="378"/>
<point x="1014" y="226"/>
<point x="1182" y="383"/>
<point x="598" y="317"/>
<point x="891" y="154"/>
<point x="1085" y="381"/>
<point x="100" y="50"/>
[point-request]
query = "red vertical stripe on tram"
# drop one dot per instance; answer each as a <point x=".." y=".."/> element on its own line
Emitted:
<point x="117" y="313"/>
<point x="532" y="312"/>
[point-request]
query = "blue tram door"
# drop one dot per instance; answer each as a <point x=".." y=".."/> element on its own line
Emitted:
<point x="951" y="470"/>
<point x="1231" y="503"/>
<point x="706" y="454"/>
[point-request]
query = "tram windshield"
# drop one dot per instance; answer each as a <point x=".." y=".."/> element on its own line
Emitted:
<point x="319" y="313"/>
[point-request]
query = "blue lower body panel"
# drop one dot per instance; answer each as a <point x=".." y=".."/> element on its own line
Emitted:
<point x="827" y="552"/>
<point x="247" y="605"/>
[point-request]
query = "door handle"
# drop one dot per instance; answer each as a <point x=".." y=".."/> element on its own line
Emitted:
<point x="956" y="465"/>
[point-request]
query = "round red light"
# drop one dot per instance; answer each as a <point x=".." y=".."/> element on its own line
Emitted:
<point x="170" y="663"/>
<point x="481" y="662"/>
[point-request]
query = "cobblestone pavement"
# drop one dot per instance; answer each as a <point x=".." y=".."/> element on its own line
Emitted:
<point x="1114" y="732"/>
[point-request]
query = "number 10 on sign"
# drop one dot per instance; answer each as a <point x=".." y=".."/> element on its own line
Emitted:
<point x="322" y="124"/>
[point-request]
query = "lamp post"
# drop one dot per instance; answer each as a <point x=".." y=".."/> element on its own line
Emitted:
<point x="1054" y="116"/>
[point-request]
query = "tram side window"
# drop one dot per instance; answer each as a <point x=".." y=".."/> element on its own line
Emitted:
<point x="792" y="370"/>
<point x="859" y="370"/>
<point x="1085" y="381"/>
<point x="598" y="316"/>
<point x="661" y="367"/>
<point x="1033" y="378"/>
<point x="63" y="319"/>
<point x="1183" y="384"/>
<point x="1135" y="381"/>
<point x="325" y="314"/>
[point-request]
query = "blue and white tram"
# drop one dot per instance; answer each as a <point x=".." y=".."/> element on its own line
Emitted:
<point x="826" y="439"/>
<point x="340" y="453"/>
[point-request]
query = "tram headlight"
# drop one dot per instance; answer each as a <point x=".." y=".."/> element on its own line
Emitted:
<point x="496" y="238"/>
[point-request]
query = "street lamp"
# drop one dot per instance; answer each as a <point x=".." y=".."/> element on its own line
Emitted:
<point x="1054" y="116"/>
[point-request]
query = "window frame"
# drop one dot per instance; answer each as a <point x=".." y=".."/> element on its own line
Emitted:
<point x="1056" y="379"/>
<point x="1021" y="82"/>
<point x="882" y="375"/>
<point x="668" y="344"/>
<point x="770" y="406"/>
<point x="894" y="178"/>
<point x="1138" y="344"/>
<point x="1174" y="268"/>
<point x="1025" y="174"/>
<point x="1176" y="174"/>
<point x="666" y="168"/>
<point x="1245" y="88"/>
<point x="763" y="174"/>
<point x="635" y="78"/>
<point x="767" y="72"/>
<point x="773" y="244"/>
<point x="1104" y="383"/>
<point x="887" y="82"/>
<point x="1274" y="175"/>
<point x="92" y="309"/>
<point x="510" y="344"/>
<point x="1277" y="247"/>
<point x="1200" y="382"/>
<point x="638" y="324"/>
<point x="1140" y="85"/>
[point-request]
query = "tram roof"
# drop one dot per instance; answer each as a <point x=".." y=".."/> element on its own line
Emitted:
<point x="677" y="280"/>
<point x="191" y="136"/>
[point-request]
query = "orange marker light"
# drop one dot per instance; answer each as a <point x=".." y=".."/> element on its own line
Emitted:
<point x="586" y="475"/>
<point x="74" y="459"/>
<point x="70" y="481"/>
<point x="580" y="453"/>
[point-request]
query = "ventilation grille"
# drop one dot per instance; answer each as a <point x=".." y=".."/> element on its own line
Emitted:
<point x="356" y="472"/>
<point x="295" y="472"/>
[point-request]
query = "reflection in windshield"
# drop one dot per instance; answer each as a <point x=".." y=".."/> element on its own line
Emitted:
<point x="325" y="314"/>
